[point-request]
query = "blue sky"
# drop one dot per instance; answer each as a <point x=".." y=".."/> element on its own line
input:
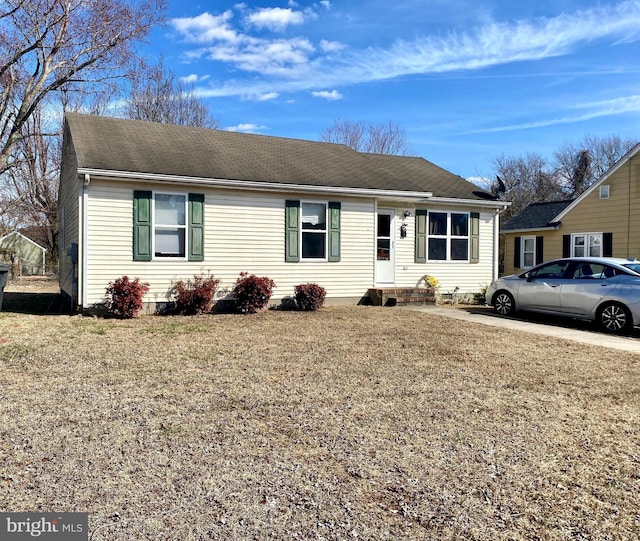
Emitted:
<point x="468" y="80"/>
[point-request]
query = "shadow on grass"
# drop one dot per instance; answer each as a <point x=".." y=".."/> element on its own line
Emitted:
<point x="546" y="319"/>
<point x="39" y="304"/>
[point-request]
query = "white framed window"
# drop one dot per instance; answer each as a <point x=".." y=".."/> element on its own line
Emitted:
<point x="313" y="218"/>
<point x="586" y="245"/>
<point x="528" y="252"/>
<point x="169" y="225"/>
<point x="604" y="191"/>
<point x="448" y="236"/>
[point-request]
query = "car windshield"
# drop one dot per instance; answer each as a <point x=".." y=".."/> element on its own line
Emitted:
<point x="554" y="269"/>
<point x="635" y="267"/>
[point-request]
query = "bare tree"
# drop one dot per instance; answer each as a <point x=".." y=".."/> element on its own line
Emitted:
<point x="31" y="185"/>
<point x="366" y="137"/>
<point x="525" y="180"/>
<point x="157" y="95"/>
<point x="50" y="45"/>
<point x="580" y="164"/>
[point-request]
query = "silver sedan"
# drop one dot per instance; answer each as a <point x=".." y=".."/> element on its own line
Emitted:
<point x="601" y="289"/>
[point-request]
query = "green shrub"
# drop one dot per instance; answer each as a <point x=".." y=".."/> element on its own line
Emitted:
<point x="252" y="293"/>
<point x="309" y="297"/>
<point x="124" y="297"/>
<point x="481" y="296"/>
<point x="195" y="296"/>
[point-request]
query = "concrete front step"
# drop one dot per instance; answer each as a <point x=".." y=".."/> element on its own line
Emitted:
<point x="392" y="296"/>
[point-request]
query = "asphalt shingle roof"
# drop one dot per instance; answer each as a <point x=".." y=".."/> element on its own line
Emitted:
<point x="114" y="144"/>
<point x="537" y="215"/>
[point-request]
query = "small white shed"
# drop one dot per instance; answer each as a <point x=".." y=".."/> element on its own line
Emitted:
<point x="22" y="252"/>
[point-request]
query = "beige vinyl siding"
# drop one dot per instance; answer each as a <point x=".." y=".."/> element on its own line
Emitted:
<point x="68" y="211"/>
<point x="244" y="231"/>
<point x="619" y="215"/>
<point x="468" y="277"/>
<point x="593" y="214"/>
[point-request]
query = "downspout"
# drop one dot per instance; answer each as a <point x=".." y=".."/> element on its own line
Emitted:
<point x="629" y="212"/>
<point x="496" y="243"/>
<point x="82" y="246"/>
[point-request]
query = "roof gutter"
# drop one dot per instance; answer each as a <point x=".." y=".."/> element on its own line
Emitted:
<point x="283" y="187"/>
<point x="502" y="205"/>
<point x="532" y="229"/>
<point x="249" y="184"/>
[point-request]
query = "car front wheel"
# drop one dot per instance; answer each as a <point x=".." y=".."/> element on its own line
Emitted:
<point x="614" y="317"/>
<point x="504" y="304"/>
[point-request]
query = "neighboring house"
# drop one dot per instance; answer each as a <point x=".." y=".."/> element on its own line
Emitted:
<point x="603" y="221"/>
<point x="163" y="202"/>
<point x="27" y="256"/>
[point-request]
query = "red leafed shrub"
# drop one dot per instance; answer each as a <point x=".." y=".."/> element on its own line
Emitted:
<point x="195" y="296"/>
<point x="124" y="297"/>
<point x="252" y="293"/>
<point x="309" y="297"/>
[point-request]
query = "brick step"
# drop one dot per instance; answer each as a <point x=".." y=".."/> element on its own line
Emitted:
<point x="399" y="296"/>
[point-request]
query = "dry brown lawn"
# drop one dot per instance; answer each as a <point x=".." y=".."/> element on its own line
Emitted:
<point x="349" y="423"/>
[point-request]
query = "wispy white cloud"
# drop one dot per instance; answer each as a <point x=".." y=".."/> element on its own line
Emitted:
<point x="325" y="94"/>
<point x="500" y="43"/>
<point x="331" y="46"/>
<point x="246" y="128"/>
<point x="325" y="3"/>
<point x="482" y="182"/>
<point x="275" y="18"/>
<point x="206" y="28"/>
<point x="597" y="109"/>
<point x="627" y="104"/>
<point x="194" y="78"/>
<point x="267" y="96"/>
<point x="275" y="57"/>
<point x="295" y="64"/>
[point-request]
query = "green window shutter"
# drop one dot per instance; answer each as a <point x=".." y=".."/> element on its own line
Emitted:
<point x="334" y="231"/>
<point x="292" y="231"/>
<point x="474" y="255"/>
<point x="196" y="227"/>
<point x="420" y="251"/>
<point x="141" y="225"/>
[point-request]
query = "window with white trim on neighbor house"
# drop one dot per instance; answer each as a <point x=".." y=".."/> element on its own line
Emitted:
<point x="448" y="236"/>
<point x="586" y="244"/>
<point x="528" y="256"/>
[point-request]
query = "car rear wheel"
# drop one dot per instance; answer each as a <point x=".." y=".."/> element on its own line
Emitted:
<point x="504" y="304"/>
<point x="614" y="317"/>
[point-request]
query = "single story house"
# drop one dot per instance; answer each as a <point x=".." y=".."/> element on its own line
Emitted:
<point x="25" y="254"/>
<point x="602" y="221"/>
<point x="164" y="202"/>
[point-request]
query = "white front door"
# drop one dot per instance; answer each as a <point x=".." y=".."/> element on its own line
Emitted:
<point x="385" y="247"/>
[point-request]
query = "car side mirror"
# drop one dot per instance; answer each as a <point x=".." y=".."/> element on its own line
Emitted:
<point x="528" y="276"/>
